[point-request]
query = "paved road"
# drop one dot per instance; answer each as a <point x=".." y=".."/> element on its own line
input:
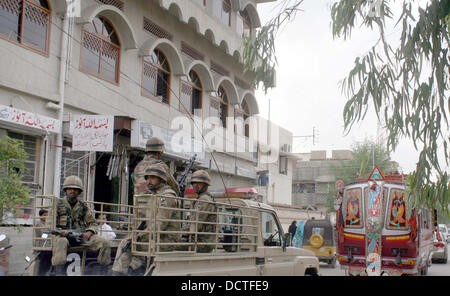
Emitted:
<point x="436" y="269"/>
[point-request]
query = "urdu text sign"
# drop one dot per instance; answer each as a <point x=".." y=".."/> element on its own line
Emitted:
<point x="92" y="132"/>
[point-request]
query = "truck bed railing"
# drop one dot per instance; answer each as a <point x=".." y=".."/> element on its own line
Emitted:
<point x="233" y="226"/>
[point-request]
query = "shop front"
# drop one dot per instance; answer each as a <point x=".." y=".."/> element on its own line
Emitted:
<point x="36" y="131"/>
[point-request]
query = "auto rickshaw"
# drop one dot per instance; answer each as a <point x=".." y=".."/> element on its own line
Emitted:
<point x="319" y="237"/>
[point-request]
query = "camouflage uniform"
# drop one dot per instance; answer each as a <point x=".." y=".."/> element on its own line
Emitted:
<point x="78" y="217"/>
<point x="125" y="260"/>
<point x="153" y="145"/>
<point x="205" y="217"/>
<point x="203" y="204"/>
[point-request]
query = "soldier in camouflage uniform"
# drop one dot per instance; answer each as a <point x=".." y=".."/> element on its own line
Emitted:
<point x="200" y="181"/>
<point x="72" y="213"/>
<point x="156" y="176"/>
<point x="154" y="149"/>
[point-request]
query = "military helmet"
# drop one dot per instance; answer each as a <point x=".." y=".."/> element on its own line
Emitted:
<point x="201" y="176"/>
<point x="154" y="145"/>
<point x="73" y="182"/>
<point x="158" y="170"/>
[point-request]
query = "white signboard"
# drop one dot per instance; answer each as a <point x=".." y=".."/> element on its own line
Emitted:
<point x="29" y="119"/>
<point x="176" y="142"/>
<point x="92" y="132"/>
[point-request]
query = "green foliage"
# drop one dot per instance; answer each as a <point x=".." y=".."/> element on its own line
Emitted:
<point x="12" y="166"/>
<point x="365" y="155"/>
<point x="259" y="52"/>
<point x="407" y="82"/>
<point x="407" y="85"/>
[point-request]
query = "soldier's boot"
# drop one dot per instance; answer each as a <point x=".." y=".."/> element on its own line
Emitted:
<point x="60" y="270"/>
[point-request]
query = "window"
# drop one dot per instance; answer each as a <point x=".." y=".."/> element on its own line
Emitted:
<point x="244" y="24"/>
<point x="101" y="49"/>
<point x="191" y="93"/>
<point x="352" y="198"/>
<point x="26" y="22"/>
<point x="305" y="188"/>
<point x="219" y="106"/>
<point x="270" y="230"/>
<point x="245" y="114"/>
<point x="32" y="146"/>
<point x="156" y="76"/>
<point x="283" y="165"/>
<point x="222" y="9"/>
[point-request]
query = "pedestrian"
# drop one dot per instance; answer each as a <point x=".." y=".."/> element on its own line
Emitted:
<point x="41" y="227"/>
<point x="292" y="229"/>
<point x="154" y="149"/>
<point x="298" y="237"/>
<point x="200" y="181"/>
<point x="104" y="229"/>
<point x="72" y="213"/>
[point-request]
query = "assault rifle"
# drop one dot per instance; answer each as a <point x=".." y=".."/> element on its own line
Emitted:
<point x="183" y="176"/>
<point x="182" y="180"/>
<point x="74" y="236"/>
<point x="141" y="226"/>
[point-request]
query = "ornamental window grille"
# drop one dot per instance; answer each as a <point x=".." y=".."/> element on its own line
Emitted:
<point x="100" y="54"/>
<point x="26" y="22"/>
<point x="154" y="29"/>
<point x="219" y="106"/>
<point x="116" y="3"/>
<point x="156" y="76"/>
<point x="191" y="93"/>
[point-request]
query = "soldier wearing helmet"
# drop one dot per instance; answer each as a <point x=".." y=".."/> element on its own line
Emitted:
<point x="156" y="177"/>
<point x="154" y="149"/>
<point x="72" y="213"/>
<point x="200" y="181"/>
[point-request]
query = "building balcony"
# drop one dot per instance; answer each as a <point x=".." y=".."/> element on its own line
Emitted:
<point x="219" y="21"/>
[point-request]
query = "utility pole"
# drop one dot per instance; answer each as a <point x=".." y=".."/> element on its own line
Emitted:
<point x="314" y="135"/>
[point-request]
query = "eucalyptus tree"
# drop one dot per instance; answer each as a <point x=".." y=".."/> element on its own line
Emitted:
<point x="405" y="82"/>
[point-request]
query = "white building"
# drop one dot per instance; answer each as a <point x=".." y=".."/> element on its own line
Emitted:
<point x="141" y="64"/>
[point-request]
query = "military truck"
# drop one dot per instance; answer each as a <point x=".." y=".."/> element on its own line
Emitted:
<point x="248" y="239"/>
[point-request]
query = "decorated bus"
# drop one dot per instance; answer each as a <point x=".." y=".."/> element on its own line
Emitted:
<point x="379" y="231"/>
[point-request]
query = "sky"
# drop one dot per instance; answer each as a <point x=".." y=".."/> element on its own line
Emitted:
<point x="310" y="67"/>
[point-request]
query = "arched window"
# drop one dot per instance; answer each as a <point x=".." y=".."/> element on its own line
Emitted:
<point x="242" y="113"/>
<point x="26" y="22"/>
<point x="156" y="76"/>
<point x="246" y="25"/>
<point x="191" y="93"/>
<point x="246" y="114"/>
<point x="100" y="54"/>
<point x="219" y="106"/>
